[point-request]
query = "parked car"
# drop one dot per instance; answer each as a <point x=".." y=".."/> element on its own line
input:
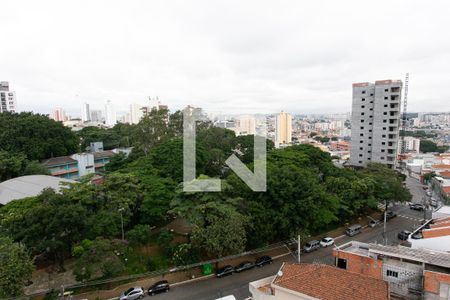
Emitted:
<point x="374" y="223"/>
<point x="417" y="236"/>
<point x="263" y="260"/>
<point x="132" y="294"/>
<point x="225" y="271"/>
<point x="389" y="215"/>
<point x="311" y="246"/>
<point x="353" y="230"/>
<point x="327" y="241"/>
<point x="246" y="265"/>
<point x="403" y="235"/>
<point x="159" y="287"/>
<point x="416" y="206"/>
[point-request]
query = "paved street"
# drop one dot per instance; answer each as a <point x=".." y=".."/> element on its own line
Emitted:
<point x="237" y="284"/>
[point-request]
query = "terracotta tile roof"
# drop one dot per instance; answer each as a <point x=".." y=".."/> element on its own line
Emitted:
<point x="436" y="232"/>
<point x="61" y="160"/>
<point x="444" y="174"/>
<point x="330" y="283"/>
<point x="441" y="166"/>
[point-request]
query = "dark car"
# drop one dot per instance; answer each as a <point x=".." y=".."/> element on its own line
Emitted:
<point x="263" y="260"/>
<point x="403" y="235"/>
<point x="246" y="265"/>
<point x="159" y="287"/>
<point x="389" y="215"/>
<point x="417" y="206"/>
<point x="224" y="271"/>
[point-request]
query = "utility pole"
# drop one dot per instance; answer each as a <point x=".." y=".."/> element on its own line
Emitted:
<point x="121" y="222"/>
<point x="384" y="224"/>
<point x="298" y="248"/>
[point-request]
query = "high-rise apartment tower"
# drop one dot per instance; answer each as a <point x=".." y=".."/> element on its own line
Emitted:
<point x="375" y="122"/>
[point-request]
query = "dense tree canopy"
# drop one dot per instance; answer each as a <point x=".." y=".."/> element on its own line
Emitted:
<point x="430" y="146"/>
<point x="36" y="136"/>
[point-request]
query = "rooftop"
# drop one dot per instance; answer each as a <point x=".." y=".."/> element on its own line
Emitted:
<point x="329" y="283"/>
<point x="436" y="258"/>
<point x="28" y="186"/>
<point x="58" y="160"/>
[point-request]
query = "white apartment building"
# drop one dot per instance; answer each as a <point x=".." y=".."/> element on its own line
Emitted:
<point x="412" y="144"/>
<point x="283" y="130"/>
<point x="375" y="122"/>
<point x="247" y="125"/>
<point x="110" y="114"/>
<point x="7" y="98"/>
<point x="136" y="113"/>
<point x="85" y="113"/>
<point x="58" y="114"/>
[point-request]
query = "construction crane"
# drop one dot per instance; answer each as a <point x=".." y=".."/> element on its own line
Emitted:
<point x="404" y="125"/>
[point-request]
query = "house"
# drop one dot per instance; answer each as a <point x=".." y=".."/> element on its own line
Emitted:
<point x="101" y="159"/>
<point x="435" y="235"/>
<point x="411" y="273"/>
<point x="315" y="281"/>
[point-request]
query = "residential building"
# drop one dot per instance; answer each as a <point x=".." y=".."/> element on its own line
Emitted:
<point x="375" y="122"/>
<point x="96" y="116"/>
<point x="435" y="234"/>
<point x="136" y="113"/>
<point x="411" y="273"/>
<point x="7" y="98"/>
<point x="85" y="113"/>
<point x="283" y="129"/>
<point x="411" y="144"/>
<point x="110" y="114"/>
<point x="247" y="125"/>
<point x="58" y="114"/>
<point x="101" y="159"/>
<point x="315" y="281"/>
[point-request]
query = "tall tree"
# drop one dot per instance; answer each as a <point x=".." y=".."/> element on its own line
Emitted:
<point x="16" y="268"/>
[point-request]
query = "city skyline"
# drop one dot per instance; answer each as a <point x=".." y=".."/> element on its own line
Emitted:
<point x="261" y="61"/>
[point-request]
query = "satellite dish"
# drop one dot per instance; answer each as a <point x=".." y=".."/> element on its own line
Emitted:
<point x="280" y="273"/>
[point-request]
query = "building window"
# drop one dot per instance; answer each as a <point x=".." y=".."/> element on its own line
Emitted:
<point x="383" y="143"/>
<point x="371" y="95"/>
<point x="382" y="150"/>
<point x="362" y="106"/>
<point x="363" y="92"/>
<point x="370" y="123"/>
<point x="341" y="262"/>
<point x="383" y="136"/>
<point x="389" y="272"/>
<point x="361" y="142"/>
<point x="385" y="105"/>
<point x="385" y="113"/>
<point x="360" y="162"/>
<point x="371" y="109"/>
<point x="370" y="137"/>
<point x="360" y="155"/>
<point x="370" y="130"/>
<point x="362" y="127"/>
<point x="362" y="121"/>
<point x="382" y="157"/>
<point x="385" y="98"/>
<point x="371" y="101"/>
<point x="363" y="99"/>
<point x="370" y="116"/>
<point x="384" y="128"/>
<point x="386" y="90"/>
<point x="360" y="148"/>
<point x="361" y="134"/>
<point x="362" y="114"/>
<point x="384" y="121"/>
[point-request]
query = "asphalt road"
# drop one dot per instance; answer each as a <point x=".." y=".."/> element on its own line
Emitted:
<point x="237" y="284"/>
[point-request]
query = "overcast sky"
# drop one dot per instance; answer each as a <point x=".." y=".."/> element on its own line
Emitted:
<point x="225" y="56"/>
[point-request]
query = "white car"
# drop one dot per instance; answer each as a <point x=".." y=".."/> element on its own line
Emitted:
<point x="327" y="241"/>
<point x="132" y="294"/>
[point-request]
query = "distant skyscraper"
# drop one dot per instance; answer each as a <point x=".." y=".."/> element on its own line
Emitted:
<point x="7" y="98"/>
<point x="136" y="113"/>
<point x="96" y="116"/>
<point x="375" y="122"/>
<point x="110" y="114"/>
<point x="283" y="132"/>
<point x="247" y="125"/>
<point x="85" y="113"/>
<point x="58" y="114"/>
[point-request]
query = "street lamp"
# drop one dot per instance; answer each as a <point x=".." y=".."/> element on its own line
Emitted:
<point x="121" y="222"/>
